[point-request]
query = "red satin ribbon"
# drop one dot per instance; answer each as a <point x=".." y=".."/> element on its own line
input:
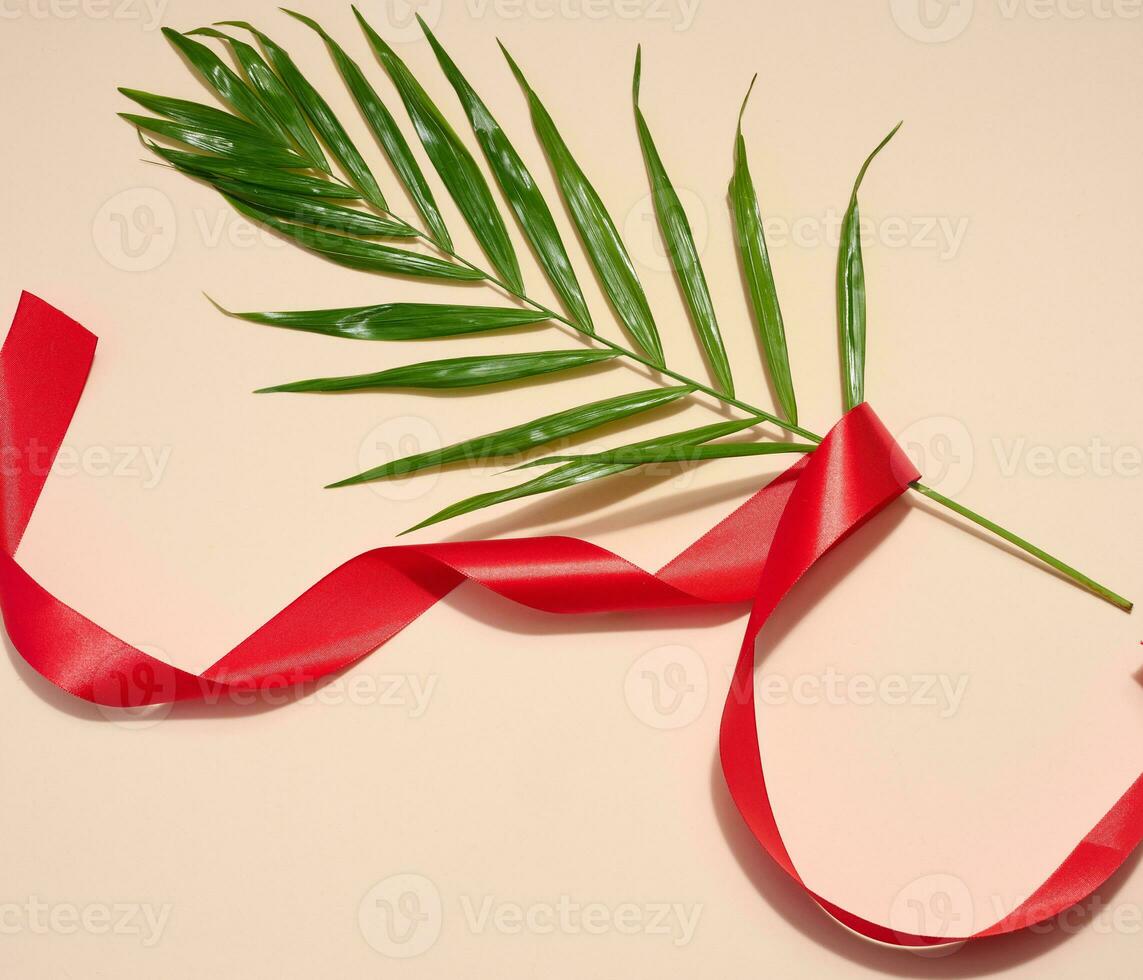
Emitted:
<point x="758" y="552"/>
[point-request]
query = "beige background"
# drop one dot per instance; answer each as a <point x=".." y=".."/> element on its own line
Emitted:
<point x="503" y="758"/>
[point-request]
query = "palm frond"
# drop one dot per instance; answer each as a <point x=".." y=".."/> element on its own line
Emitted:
<point x="264" y="153"/>
<point x="265" y="157"/>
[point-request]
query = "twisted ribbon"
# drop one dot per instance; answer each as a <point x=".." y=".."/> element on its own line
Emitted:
<point x="756" y="553"/>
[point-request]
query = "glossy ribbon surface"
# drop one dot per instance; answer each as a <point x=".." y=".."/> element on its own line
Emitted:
<point x="757" y="553"/>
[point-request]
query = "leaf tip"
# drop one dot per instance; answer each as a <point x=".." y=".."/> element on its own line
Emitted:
<point x="745" y="99"/>
<point x="436" y="518"/>
<point x="869" y="159"/>
<point x="218" y="306"/>
<point x="512" y="64"/>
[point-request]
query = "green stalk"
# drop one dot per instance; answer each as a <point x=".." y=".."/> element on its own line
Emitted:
<point x="1024" y="545"/>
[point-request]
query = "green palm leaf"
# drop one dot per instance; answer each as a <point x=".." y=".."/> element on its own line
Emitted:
<point x="578" y="472"/>
<point x="220" y="142"/>
<point x="684" y="454"/>
<point x="253" y="174"/>
<point x="322" y="117"/>
<point x="759" y="275"/>
<point x="851" y="292"/>
<point x="596" y="229"/>
<point x="686" y="437"/>
<point x="322" y="214"/>
<point x="456" y="372"/>
<point x="677" y="234"/>
<point x="520" y="189"/>
<point x="452" y="161"/>
<point x="207" y="117"/>
<point x="356" y="254"/>
<point x="395" y="321"/>
<point x="385" y="130"/>
<point x="528" y="435"/>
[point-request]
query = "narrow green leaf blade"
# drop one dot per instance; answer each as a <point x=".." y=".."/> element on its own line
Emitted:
<point x="388" y="135"/>
<point x="520" y="189"/>
<point x="851" y="292"/>
<point x="274" y="96"/>
<point x="677" y="234"/>
<point x="751" y="240"/>
<point x="217" y="141"/>
<point x="319" y="213"/>
<point x="219" y="76"/>
<point x="686" y="454"/>
<point x="457" y="168"/>
<point x="596" y="229"/>
<point x="457" y="372"/>
<point x="205" y="116"/>
<point x="356" y="254"/>
<point x="396" y="321"/>
<point x="573" y="474"/>
<point x="214" y="168"/>
<point x="535" y="433"/>
<point x="686" y="437"/>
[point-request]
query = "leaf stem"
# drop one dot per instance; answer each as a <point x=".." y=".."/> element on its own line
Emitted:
<point x="763" y="416"/>
<point x="1024" y="545"/>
